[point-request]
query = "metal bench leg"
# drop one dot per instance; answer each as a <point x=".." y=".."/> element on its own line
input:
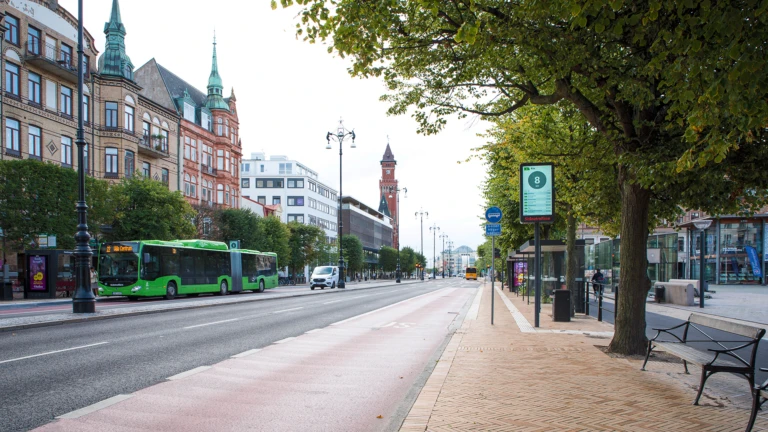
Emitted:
<point x="685" y="365"/>
<point x="756" y="403"/>
<point x="704" y="376"/>
<point x="650" y="348"/>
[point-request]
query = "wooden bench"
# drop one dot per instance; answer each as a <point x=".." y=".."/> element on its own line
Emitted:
<point x="711" y="361"/>
<point x="759" y="396"/>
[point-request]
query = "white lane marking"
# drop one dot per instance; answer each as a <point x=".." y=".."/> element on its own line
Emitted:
<point x="335" y="301"/>
<point x="388" y="325"/>
<point x="52" y="352"/>
<point x="95" y="407"/>
<point x="475" y="308"/>
<point x="285" y="340"/>
<point x="312" y="331"/>
<point x="288" y="310"/>
<point x="211" y="323"/>
<point x="196" y="370"/>
<point x="382" y="308"/>
<point x="520" y="319"/>
<point x="246" y="353"/>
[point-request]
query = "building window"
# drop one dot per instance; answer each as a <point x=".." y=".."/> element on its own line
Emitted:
<point x="164" y="141"/>
<point x="262" y="200"/>
<point x="145" y="131"/>
<point x="276" y="200"/>
<point x="146" y="170"/>
<point x="220" y="129"/>
<point x="66" y="54"/>
<point x="86" y="108"/>
<point x="85" y="158"/>
<point x="66" y="101"/>
<point x="66" y="151"/>
<point x="245" y="183"/>
<point x="295" y="201"/>
<point x="11" y="79"/>
<point x="12" y="137"/>
<point x="110" y="120"/>
<point x="130" y="164"/>
<point x="165" y="177"/>
<point x="286" y="168"/>
<point x="12" y="30"/>
<point x="193" y="187"/>
<point x="129" y="118"/>
<point x="226" y="196"/>
<point x="261" y="168"/>
<point x="35" y="138"/>
<point x="220" y="194"/>
<point x="245" y="167"/>
<point x="296" y="183"/>
<point x="296" y="218"/>
<point x="33" y="87"/>
<point x="110" y="162"/>
<point x="220" y="159"/>
<point x="33" y="40"/>
<point x="193" y="150"/>
<point x="186" y="185"/>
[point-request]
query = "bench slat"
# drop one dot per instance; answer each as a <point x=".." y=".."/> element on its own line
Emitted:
<point x="726" y="326"/>
<point x="691" y="355"/>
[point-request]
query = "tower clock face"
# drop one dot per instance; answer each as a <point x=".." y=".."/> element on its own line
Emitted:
<point x="389" y="171"/>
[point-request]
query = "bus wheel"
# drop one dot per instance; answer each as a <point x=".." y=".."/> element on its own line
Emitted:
<point x="170" y="291"/>
<point x="223" y="288"/>
<point x="261" y="286"/>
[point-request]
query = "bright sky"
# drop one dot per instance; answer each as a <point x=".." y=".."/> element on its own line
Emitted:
<point x="291" y="93"/>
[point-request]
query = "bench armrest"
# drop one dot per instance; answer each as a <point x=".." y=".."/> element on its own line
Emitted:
<point x="730" y="350"/>
<point x="667" y="331"/>
<point x="764" y="369"/>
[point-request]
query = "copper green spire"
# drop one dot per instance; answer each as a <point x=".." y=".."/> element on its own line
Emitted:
<point x="215" y="85"/>
<point x="114" y="61"/>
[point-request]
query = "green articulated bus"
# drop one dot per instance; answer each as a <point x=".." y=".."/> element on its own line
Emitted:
<point x="154" y="268"/>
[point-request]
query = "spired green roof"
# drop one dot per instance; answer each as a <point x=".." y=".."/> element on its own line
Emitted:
<point x="215" y="98"/>
<point x="114" y="61"/>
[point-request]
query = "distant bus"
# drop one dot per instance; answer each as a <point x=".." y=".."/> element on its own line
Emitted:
<point x="470" y="273"/>
<point x="153" y="268"/>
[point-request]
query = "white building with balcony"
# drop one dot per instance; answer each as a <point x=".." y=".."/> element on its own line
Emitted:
<point x="293" y="186"/>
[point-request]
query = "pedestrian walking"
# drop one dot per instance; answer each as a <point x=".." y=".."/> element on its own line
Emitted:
<point x="94" y="281"/>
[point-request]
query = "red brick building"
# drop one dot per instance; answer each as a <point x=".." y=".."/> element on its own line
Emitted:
<point x="388" y="190"/>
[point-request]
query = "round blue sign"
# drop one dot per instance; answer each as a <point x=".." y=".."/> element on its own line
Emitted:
<point x="493" y="215"/>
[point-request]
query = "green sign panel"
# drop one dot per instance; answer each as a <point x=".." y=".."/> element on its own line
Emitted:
<point x="537" y="193"/>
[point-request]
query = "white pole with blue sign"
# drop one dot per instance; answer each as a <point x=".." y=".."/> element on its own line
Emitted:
<point x="493" y="229"/>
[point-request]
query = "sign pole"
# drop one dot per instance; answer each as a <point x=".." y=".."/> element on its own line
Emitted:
<point x="537" y="270"/>
<point x="493" y="252"/>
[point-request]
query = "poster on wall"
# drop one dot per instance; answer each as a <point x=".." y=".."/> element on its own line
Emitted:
<point x="765" y="245"/>
<point x="521" y="268"/>
<point x="754" y="261"/>
<point x="37" y="267"/>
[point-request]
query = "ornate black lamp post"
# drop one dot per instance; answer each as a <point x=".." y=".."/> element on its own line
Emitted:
<point x="434" y="228"/>
<point x="83" y="301"/>
<point x="702" y="225"/>
<point x="397" y="191"/>
<point x="341" y="133"/>
<point x="443" y="236"/>
<point x="421" y="213"/>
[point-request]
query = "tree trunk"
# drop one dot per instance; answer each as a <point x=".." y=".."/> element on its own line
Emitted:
<point x="572" y="263"/>
<point x="629" y="332"/>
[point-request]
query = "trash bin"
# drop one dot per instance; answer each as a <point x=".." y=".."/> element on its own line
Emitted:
<point x="658" y="294"/>
<point x="561" y="309"/>
<point x="7" y="291"/>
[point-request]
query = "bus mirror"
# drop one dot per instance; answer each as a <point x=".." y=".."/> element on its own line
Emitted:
<point x="146" y="258"/>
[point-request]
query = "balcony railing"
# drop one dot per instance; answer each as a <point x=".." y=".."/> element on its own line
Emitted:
<point x="208" y="170"/>
<point x="153" y="146"/>
<point x="52" y="59"/>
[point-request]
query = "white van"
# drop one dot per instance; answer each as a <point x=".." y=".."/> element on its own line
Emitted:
<point x="324" y="276"/>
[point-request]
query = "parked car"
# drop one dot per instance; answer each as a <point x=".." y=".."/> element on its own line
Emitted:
<point x="324" y="276"/>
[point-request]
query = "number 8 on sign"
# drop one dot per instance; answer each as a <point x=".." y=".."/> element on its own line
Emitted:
<point x="537" y="180"/>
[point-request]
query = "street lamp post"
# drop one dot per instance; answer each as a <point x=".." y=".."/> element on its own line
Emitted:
<point x="434" y="228"/>
<point x="450" y="257"/>
<point x="420" y="214"/>
<point x="443" y="236"/>
<point x="340" y="135"/>
<point x="702" y="225"/>
<point x="397" y="216"/>
<point x="83" y="300"/>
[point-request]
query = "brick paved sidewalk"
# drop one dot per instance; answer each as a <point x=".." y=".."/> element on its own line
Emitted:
<point x="494" y="378"/>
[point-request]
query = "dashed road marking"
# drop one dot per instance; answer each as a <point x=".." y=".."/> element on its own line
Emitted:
<point x="211" y="323"/>
<point x="52" y="352"/>
<point x="190" y="372"/>
<point x="95" y="407"/>
<point x="288" y="310"/>
<point x="246" y="353"/>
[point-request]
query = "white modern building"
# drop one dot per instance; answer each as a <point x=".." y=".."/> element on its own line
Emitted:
<point x="457" y="260"/>
<point x="293" y="186"/>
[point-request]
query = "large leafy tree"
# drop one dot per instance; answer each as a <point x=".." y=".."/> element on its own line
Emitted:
<point x="388" y="259"/>
<point x="240" y="224"/>
<point x="407" y="260"/>
<point x="352" y="249"/>
<point x="678" y="88"/>
<point x="146" y="210"/>
<point x="275" y="238"/>
<point x="302" y="245"/>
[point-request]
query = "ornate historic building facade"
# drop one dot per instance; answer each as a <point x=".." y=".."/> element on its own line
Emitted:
<point x="388" y="190"/>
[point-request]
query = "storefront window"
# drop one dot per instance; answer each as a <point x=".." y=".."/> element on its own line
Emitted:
<point x="710" y="256"/>
<point x="740" y="251"/>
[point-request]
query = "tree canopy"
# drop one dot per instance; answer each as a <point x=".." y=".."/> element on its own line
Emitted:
<point x="302" y="245"/>
<point x="352" y="248"/>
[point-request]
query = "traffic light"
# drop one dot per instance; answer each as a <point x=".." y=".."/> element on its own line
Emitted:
<point x="496" y="253"/>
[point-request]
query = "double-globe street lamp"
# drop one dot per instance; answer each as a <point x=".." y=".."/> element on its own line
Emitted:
<point x="702" y="225"/>
<point x="397" y="223"/>
<point x="434" y="228"/>
<point x="340" y="135"/>
<point x="443" y="236"/>
<point x="420" y="215"/>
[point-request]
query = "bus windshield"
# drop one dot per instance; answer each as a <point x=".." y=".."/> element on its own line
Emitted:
<point x="118" y="262"/>
<point x="472" y="270"/>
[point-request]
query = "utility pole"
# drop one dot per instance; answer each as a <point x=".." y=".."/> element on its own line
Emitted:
<point x="420" y="214"/>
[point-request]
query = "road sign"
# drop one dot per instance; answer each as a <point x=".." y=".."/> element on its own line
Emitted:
<point x="493" y="229"/>
<point x="234" y="244"/>
<point x="493" y="215"/>
<point x="537" y="192"/>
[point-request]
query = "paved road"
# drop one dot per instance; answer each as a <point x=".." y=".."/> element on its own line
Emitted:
<point x="51" y="371"/>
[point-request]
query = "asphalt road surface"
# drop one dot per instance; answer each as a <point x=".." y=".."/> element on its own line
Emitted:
<point x="46" y="372"/>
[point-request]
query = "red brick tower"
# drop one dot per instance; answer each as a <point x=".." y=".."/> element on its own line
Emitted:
<point x="388" y="190"/>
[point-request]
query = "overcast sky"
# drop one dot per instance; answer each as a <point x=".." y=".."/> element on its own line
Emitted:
<point x="291" y="93"/>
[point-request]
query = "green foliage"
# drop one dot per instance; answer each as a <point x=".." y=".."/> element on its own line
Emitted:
<point x="407" y="260"/>
<point x="240" y="224"/>
<point x="302" y="244"/>
<point x="275" y="238"/>
<point x="146" y="210"/>
<point x="388" y="259"/>
<point x="352" y="248"/>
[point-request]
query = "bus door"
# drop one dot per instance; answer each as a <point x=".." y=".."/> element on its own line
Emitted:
<point x="237" y="271"/>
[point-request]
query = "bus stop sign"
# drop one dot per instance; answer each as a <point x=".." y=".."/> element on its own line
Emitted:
<point x="234" y="244"/>
<point x="493" y="215"/>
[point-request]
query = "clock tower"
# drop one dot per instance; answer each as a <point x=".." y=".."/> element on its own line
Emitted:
<point x="387" y="189"/>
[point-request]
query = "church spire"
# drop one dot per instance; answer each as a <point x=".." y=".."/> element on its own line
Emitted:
<point x="114" y="61"/>
<point x="215" y="84"/>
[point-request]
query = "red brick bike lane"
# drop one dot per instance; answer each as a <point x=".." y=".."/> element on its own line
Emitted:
<point x="353" y="375"/>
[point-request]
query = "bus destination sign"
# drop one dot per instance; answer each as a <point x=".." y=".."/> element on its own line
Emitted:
<point x="537" y="192"/>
